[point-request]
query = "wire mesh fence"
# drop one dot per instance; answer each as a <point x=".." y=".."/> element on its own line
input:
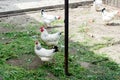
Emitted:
<point x="115" y="3"/>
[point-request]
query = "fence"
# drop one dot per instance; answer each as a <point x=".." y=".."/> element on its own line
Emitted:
<point x="115" y="3"/>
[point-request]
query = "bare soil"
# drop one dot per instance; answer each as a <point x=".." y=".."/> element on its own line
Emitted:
<point x="1" y="78"/>
<point x="96" y="30"/>
<point x="2" y="29"/>
<point x="85" y="64"/>
<point x="26" y="61"/>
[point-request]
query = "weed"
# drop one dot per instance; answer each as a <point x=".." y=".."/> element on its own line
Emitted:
<point x="22" y="43"/>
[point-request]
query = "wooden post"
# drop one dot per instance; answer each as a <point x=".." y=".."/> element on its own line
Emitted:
<point x="66" y="35"/>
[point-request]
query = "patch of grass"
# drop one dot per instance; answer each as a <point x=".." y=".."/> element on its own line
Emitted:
<point x="108" y="38"/>
<point x="83" y="28"/>
<point x="57" y="22"/>
<point x="7" y="25"/>
<point x="23" y="44"/>
<point x="98" y="46"/>
<point x="33" y="27"/>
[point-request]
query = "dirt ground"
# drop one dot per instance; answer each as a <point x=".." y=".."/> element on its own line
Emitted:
<point x="96" y="30"/>
<point x="26" y="61"/>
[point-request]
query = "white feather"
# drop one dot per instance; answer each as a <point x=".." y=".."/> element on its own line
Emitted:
<point x="47" y="19"/>
<point x="50" y="39"/>
<point x="44" y="54"/>
<point x="108" y="16"/>
<point x="98" y="4"/>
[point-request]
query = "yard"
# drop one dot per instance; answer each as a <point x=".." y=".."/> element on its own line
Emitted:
<point x="93" y="47"/>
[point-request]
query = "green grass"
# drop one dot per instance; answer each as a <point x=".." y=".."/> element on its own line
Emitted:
<point x="108" y="38"/>
<point x="57" y="21"/>
<point x="83" y="27"/>
<point x="18" y="44"/>
<point x="7" y="25"/>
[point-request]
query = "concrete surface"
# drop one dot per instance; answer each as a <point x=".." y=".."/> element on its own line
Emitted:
<point x="12" y="5"/>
